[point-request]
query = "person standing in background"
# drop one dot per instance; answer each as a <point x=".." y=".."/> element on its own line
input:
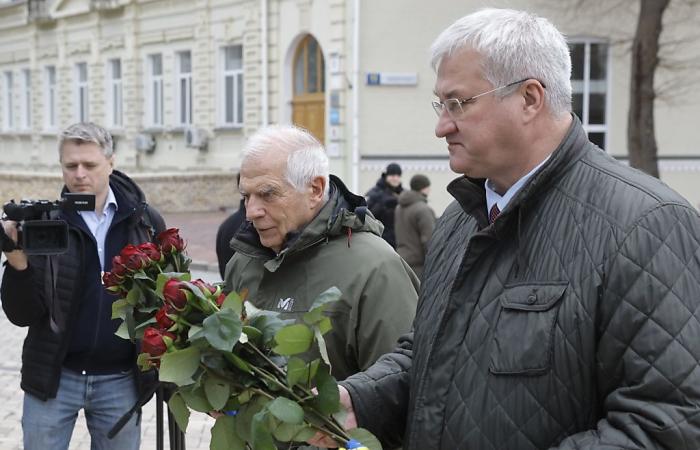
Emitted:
<point x="414" y="223"/>
<point x="383" y="198"/>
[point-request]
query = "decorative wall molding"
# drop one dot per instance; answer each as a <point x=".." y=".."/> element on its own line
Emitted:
<point x="77" y="48"/>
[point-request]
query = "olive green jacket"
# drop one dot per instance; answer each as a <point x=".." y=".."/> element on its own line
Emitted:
<point x="340" y="247"/>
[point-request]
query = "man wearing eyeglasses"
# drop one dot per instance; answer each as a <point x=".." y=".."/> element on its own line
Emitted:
<point x="559" y="306"/>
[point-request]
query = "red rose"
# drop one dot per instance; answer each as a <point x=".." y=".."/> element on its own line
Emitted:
<point x="162" y="317"/>
<point x="150" y="250"/>
<point x="174" y="294"/>
<point x="170" y="241"/>
<point x="118" y="267"/>
<point x="153" y="342"/>
<point x="133" y="258"/>
<point x="220" y="299"/>
<point x="204" y="286"/>
<point x="110" y="279"/>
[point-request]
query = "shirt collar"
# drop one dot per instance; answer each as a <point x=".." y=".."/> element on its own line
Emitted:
<point x="110" y="202"/>
<point x="493" y="197"/>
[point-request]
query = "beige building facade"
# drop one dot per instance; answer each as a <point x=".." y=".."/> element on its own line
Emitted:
<point x="181" y="84"/>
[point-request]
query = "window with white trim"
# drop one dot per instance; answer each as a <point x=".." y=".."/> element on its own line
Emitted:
<point x="82" y="100"/>
<point x="25" y="104"/>
<point x="183" y="87"/>
<point x="114" y="93"/>
<point x="590" y="64"/>
<point x="8" y="122"/>
<point x="50" y="97"/>
<point x="154" y="90"/>
<point x="231" y="82"/>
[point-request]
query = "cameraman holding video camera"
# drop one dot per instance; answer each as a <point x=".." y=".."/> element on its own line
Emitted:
<point x="72" y="359"/>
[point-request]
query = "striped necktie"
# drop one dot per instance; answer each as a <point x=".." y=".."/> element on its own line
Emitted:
<point x="494" y="213"/>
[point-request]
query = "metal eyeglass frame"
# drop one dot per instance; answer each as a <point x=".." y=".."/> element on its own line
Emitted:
<point x="449" y="104"/>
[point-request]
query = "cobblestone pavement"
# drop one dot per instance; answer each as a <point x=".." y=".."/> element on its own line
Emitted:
<point x="199" y="231"/>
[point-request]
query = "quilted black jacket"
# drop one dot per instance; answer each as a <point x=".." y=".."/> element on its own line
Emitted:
<point x="572" y="322"/>
<point x="53" y="314"/>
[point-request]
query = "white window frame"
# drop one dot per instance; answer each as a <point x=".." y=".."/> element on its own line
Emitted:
<point x="154" y="92"/>
<point x="233" y="98"/>
<point x="8" y="122"/>
<point x="183" y="82"/>
<point x="25" y="105"/>
<point x="82" y="93"/>
<point x="586" y="87"/>
<point x="50" y="97"/>
<point x="114" y="89"/>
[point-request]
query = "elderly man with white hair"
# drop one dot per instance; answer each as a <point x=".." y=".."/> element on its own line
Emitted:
<point x="305" y="233"/>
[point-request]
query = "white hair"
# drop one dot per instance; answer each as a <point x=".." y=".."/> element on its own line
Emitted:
<point x="84" y="132"/>
<point x="306" y="157"/>
<point x="515" y="45"/>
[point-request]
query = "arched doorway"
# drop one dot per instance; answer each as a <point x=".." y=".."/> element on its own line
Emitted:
<point x="308" y="102"/>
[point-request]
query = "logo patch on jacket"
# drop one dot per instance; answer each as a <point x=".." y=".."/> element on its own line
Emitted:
<point x="285" y="304"/>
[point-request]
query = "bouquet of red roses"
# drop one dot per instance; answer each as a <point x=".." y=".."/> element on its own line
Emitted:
<point x="224" y="355"/>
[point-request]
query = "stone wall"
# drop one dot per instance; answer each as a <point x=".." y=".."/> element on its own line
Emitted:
<point x="171" y="192"/>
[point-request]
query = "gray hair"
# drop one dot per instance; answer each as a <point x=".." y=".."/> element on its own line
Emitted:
<point x="84" y="132"/>
<point x="306" y="157"/>
<point x="514" y="45"/>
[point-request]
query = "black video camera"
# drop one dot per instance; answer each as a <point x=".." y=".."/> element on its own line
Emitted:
<point x="38" y="234"/>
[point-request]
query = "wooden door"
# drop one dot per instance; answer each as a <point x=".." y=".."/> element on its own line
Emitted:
<point x="309" y="100"/>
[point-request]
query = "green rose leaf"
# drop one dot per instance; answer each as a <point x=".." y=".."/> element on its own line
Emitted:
<point x="123" y="331"/>
<point x="135" y="296"/>
<point x="319" y="305"/>
<point x="223" y="435"/>
<point x="328" y="399"/>
<point x="196" y="399"/>
<point x="130" y="323"/>
<point x="234" y="302"/>
<point x="180" y="412"/>
<point x="238" y="362"/>
<point x="322" y="345"/>
<point x="119" y="308"/>
<point x="268" y="324"/>
<point x="222" y="329"/>
<point x="244" y="418"/>
<point x="286" y="432"/>
<point x="179" y="366"/>
<point x="253" y="333"/>
<point x="286" y="410"/>
<point x="297" y="371"/>
<point x="366" y="438"/>
<point x="293" y="339"/>
<point x="262" y="436"/>
<point x="217" y="391"/>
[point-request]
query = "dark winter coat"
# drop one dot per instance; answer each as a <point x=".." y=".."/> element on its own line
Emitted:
<point x="382" y="200"/>
<point x="571" y="322"/>
<point x="414" y="223"/>
<point x="227" y="230"/>
<point x="62" y="301"/>
<point x="340" y="247"/>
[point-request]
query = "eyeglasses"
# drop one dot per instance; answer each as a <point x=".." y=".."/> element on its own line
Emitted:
<point x="454" y="105"/>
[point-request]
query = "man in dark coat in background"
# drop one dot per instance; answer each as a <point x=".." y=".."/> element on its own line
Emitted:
<point x="383" y="198"/>
<point x="227" y="230"/>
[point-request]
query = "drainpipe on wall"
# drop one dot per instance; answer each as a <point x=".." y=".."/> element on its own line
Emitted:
<point x="263" y="56"/>
<point x="356" y="99"/>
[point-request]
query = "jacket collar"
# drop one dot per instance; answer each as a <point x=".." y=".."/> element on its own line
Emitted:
<point x="470" y="193"/>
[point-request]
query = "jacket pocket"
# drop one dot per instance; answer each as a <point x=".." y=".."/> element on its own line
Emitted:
<point x="524" y="333"/>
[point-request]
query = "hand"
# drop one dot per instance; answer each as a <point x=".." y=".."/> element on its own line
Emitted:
<point x="325" y="441"/>
<point x="16" y="258"/>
